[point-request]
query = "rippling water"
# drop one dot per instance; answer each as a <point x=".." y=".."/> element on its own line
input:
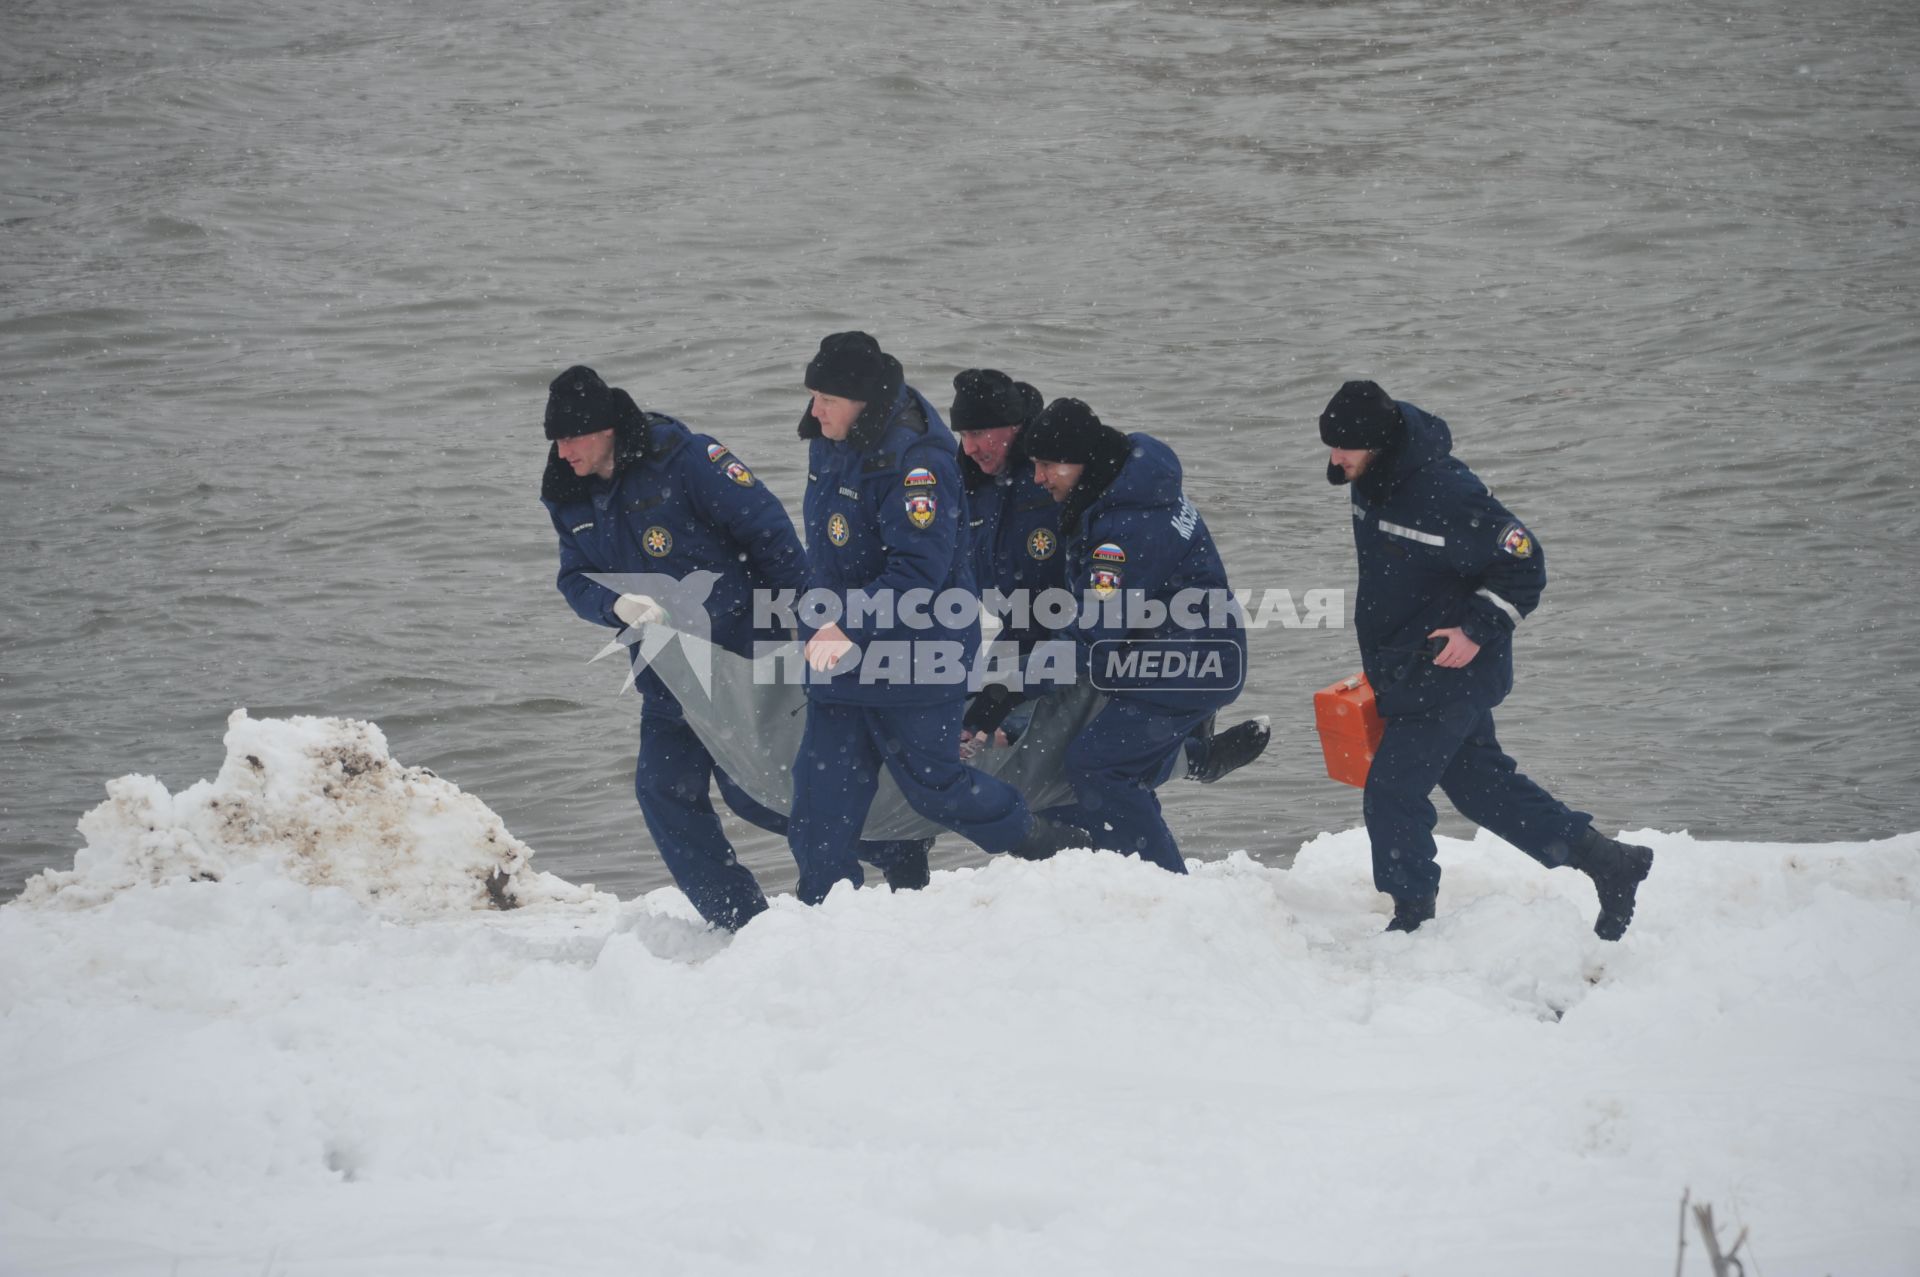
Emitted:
<point x="282" y="285"/>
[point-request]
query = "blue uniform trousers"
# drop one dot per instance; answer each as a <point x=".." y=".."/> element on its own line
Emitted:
<point x="838" y="771"/>
<point x="1453" y="746"/>
<point x="670" y="781"/>
<point x="1114" y="765"/>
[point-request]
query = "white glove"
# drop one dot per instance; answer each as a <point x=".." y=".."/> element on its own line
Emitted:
<point x="638" y="609"/>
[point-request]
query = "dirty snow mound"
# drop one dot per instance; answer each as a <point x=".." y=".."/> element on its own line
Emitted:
<point x="320" y="800"/>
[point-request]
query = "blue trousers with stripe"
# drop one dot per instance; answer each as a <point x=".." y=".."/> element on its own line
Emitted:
<point x="1454" y="747"/>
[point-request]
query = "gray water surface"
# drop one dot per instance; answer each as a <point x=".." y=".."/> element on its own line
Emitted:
<point x="281" y="287"/>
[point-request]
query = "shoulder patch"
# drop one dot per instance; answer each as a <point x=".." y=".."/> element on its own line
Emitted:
<point x="921" y="507"/>
<point x="1105" y="581"/>
<point x="1517" y="541"/>
<point x="1109" y="553"/>
<point x="919" y="477"/>
<point x="715" y="451"/>
<point x="739" y="474"/>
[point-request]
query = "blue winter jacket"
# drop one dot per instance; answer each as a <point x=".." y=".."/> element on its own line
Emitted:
<point x="1143" y="535"/>
<point x="1014" y="528"/>
<point x="1436" y="550"/>
<point x="677" y="503"/>
<point x="885" y="514"/>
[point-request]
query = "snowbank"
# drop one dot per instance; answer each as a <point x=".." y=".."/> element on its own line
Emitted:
<point x="319" y="800"/>
<point x="243" y="1058"/>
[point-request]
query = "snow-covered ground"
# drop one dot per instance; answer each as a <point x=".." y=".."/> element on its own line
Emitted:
<point x="272" y="1024"/>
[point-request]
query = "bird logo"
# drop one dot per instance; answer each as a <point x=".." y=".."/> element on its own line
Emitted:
<point x="683" y="600"/>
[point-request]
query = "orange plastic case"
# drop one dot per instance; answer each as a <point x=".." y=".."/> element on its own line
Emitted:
<point x="1350" y="728"/>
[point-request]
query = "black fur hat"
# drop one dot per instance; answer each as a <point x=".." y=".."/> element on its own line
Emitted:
<point x="987" y="399"/>
<point x="579" y="403"/>
<point x="1361" y="415"/>
<point x="852" y="366"/>
<point x="1067" y="430"/>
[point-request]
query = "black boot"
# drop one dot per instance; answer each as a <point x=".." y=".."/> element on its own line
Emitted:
<point x="1233" y="749"/>
<point x="1409" y="914"/>
<point x="911" y="872"/>
<point x="1617" y="870"/>
<point x="1046" y="840"/>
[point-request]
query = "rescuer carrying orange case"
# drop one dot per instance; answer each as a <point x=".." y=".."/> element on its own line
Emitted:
<point x="1350" y="728"/>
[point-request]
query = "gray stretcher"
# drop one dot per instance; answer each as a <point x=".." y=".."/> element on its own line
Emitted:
<point x="750" y="720"/>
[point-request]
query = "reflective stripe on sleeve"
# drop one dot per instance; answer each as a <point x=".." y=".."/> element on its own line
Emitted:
<point x="1359" y="512"/>
<point x="1500" y="603"/>
<point x="1412" y="534"/>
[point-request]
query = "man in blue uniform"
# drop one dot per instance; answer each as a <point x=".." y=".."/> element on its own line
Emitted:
<point x="1157" y="629"/>
<point x="1015" y="525"/>
<point x="888" y="673"/>
<point x="633" y="492"/>
<point x="1446" y="573"/>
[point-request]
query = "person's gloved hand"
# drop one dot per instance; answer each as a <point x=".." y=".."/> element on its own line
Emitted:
<point x="638" y="609"/>
<point x="990" y="709"/>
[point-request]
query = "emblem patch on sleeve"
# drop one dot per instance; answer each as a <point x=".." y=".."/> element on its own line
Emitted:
<point x="920" y="477"/>
<point x="837" y="529"/>
<point x="920" y="509"/>
<point x="739" y="474"/>
<point x="1517" y="541"/>
<point x="1109" y="553"/>
<point x="1105" y="581"/>
<point x="657" y="541"/>
<point x="1042" y="544"/>
<point x="715" y="451"/>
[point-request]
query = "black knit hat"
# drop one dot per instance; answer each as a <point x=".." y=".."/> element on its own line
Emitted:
<point x="1067" y="430"/>
<point x="1361" y="415"/>
<point x="986" y="399"/>
<point x="850" y="365"/>
<point x="579" y="403"/>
